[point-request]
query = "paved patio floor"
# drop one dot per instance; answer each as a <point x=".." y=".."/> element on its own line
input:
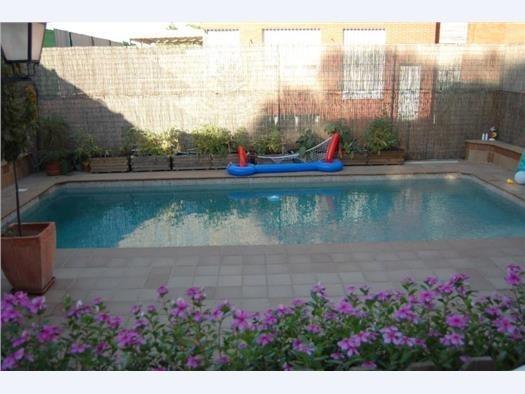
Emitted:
<point x="256" y="277"/>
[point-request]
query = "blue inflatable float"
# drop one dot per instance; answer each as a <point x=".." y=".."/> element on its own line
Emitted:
<point x="329" y="164"/>
<point x="250" y="169"/>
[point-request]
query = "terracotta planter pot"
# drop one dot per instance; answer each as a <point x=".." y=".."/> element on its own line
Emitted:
<point x="27" y="261"/>
<point x="86" y="166"/>
<point x="53" y="168"/>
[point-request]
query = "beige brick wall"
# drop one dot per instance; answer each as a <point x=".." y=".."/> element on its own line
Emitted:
<point x="332" y="33"/>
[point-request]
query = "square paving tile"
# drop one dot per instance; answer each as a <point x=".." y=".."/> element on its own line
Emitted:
<point x="280" y="291"/>
<point x="254" y="291"/>
<point x="230" y="280"/>
<point x="254" y="280"/>
<point x="279" y="279"/>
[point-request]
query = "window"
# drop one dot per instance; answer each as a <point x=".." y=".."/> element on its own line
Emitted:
<point x="296" y="54"/>
<point x="364" y="63"/>
<point x="408" y="95"/>
<point x="453" y="33"/>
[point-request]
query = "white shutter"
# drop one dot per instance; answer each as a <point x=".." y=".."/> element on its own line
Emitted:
<point x="453" y="33"/>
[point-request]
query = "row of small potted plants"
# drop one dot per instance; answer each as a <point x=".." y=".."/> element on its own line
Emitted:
<point x="208" y="147"/>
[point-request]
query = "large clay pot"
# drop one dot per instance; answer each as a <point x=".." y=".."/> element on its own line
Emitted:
<point x="27" y="261"/>
<point x="53" y="168"/>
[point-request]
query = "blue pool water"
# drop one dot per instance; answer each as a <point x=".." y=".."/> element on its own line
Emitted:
<point x="357" y="211"/>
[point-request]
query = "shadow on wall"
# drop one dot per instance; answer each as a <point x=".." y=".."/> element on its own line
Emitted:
<point x="437" y="96"/>
<point x="82" y="113"/>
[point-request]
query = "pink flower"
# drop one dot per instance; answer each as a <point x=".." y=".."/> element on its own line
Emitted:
<point x="405" y="312"/>
<point x="162" y="291"/>
<point x="196" y="294"/>
<point x="48" y="334"/>
<point x="180" y="308"/>
<point x="368" y="365"/>
<point x="78" y="348"/>
<point x="264" y="339"/>
<point x="345" y="308"/>
<point x="505" y="325"/>
<point x="350" y="345"/>
<point x="426" y="297"/>
<point x="318" y="290"/>
<point x="513" y="276"/>
<point x="302" y="347"/>
<point x="457" y="320"/>
<point x="241" y="320"/>
<point x="392" y="335"/>
<point x="193" y="362"/>
<point x="452" y="340"/>
<point x="313" y="328"/>
<point x="127" y="338"/>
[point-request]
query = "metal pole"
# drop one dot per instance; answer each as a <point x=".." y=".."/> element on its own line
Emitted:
<point x="19" y="223"/>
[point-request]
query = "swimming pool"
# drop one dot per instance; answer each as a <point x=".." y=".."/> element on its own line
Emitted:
<point x="268" y="214"/>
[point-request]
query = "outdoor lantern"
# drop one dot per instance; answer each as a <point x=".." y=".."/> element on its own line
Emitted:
<point x="22" y="42"/>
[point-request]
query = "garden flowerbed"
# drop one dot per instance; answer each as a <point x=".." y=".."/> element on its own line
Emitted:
<point x="430" y="325"/>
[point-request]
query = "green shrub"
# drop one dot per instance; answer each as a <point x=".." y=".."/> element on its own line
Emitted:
<point x="85" y="147"/>
<point x="348" y="142"/>
<point x="53" y="133"/>
<point x="211" y="139"/>
<point x="19" y="119"/>
<point x="269" y="142"/>
<point x="241" y="137"/>
<point x="307" y="139"/>
<point x="380" y="136"/>
<point x="144" y="142"/>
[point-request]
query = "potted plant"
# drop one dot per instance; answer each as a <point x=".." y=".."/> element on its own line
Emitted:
<point x="85" y="149"/>
<point x="269" y="143"/>
<point x="28" y="249"/>
<point x="151" y="152"/>
<point x="57" y="162"/>
<point x="307" y="139"/>
<point x="53" y="134"/>
<point x="382" y="143"/>
<point x="186" y="156"/>
<point x="110" y="160"/>
<point x="214" y="142"/>
<point x="350" y="152"/>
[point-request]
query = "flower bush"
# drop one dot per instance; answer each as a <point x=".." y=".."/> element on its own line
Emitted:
<point x="442" y="322"/>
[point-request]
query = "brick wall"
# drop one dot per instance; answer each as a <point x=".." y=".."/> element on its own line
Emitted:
<point x="438" y="96"/>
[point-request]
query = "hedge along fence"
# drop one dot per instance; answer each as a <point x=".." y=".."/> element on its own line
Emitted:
<point x="437" y="95"/>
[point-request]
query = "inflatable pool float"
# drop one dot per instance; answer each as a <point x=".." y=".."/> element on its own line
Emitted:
<point x="519" y="177"/>
<point x="328" y="164"/>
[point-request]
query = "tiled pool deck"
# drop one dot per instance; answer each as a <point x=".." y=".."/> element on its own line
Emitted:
<point x="256" y="277"/>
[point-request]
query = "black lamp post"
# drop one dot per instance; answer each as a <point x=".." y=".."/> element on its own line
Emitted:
<point x="21" y="44"/>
